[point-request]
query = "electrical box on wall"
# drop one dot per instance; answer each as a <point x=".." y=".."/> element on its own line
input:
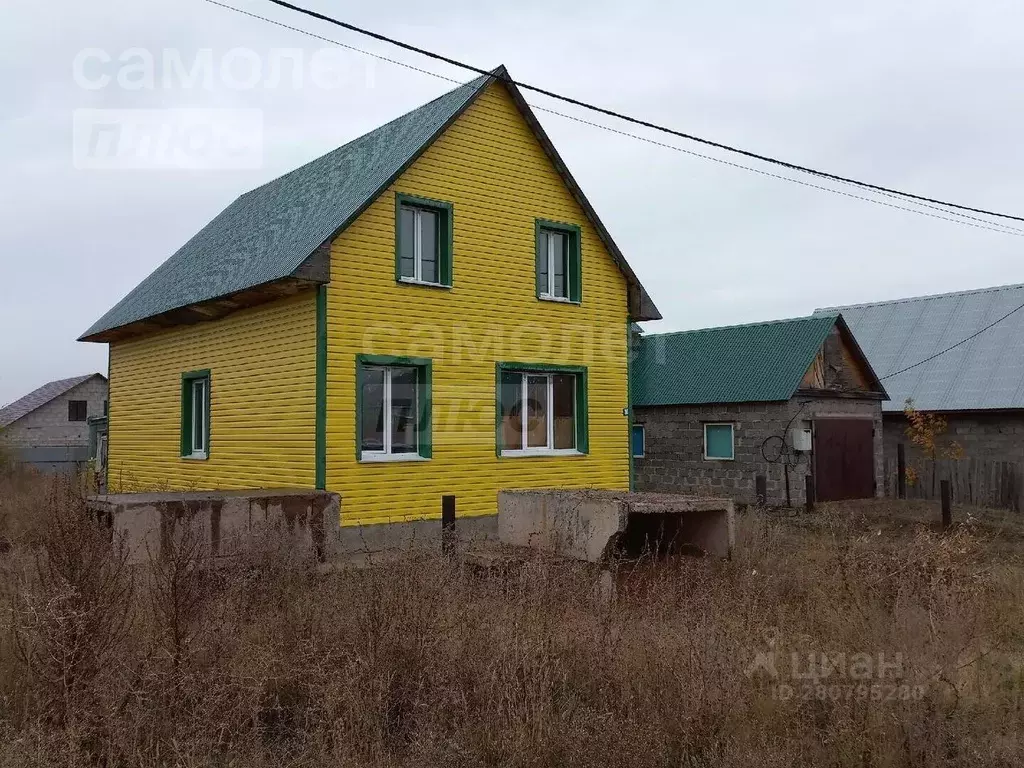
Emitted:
<point x="800" y="437"/>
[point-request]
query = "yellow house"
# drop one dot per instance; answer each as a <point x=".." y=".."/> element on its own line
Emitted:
<point x="432" y="309"/>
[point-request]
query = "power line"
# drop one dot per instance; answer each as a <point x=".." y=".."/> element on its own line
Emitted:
<point x="961" y="217"/>
<point x="991" y="226"/>
<point x="881" y="190"/>
<point x="638" y="121"/>
<point x="958" y="344"/>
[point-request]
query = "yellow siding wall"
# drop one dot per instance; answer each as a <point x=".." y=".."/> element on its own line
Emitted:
<point x="262" y="365"/>
<point x="490" y="167"/>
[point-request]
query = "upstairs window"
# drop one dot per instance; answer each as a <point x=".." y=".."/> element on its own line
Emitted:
<point x="77" y="410"/>
<point x="541" y="410"/>
<point x="558" y="261"/>
<point x="195" y="415"/>
<point x="393" y="408"/>
<point x="423" y="241"/>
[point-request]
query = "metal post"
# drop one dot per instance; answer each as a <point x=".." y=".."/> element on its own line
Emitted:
<point x="809" y="492"/>
<point x="761" y="490"/>
<point x="901" y="471"/>
<point x="447" y="524"/>
<point x="947" y="506"/>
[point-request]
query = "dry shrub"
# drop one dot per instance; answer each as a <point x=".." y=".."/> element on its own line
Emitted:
<point x="534" y="661"/>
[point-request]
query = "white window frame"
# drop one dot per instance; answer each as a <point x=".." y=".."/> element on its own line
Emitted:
<point x="548" y="291"/>
<point x="643" y="441"/>
<point x="732" y="440"/>
<point x="417" y="249"/>
<point x="548" y="449"/>
<point x="386" y="454"/>
<point x="198" y="395"/>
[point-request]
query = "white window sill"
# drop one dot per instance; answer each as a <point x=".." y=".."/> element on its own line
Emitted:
<point x="385" y="458"/>
<point x="557" y="299"/>
<point x="196" y="456"/>
<point x="522" y="454"/>
<point x="719" y="458"/>
<point x="414" y="281"/>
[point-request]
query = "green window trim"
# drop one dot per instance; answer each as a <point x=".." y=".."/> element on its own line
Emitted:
<point x="320" y="438"/>
<point x="424" y="381"/>
<point x="714" y="445"/>
<point x="582" y="405"/>
<point x="575" y="273"/>
<point x="187" y="408"/>
<point x="445" y="238"/>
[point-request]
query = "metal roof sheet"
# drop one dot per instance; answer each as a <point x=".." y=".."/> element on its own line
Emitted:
<point x="986" y="372"/>
<point x="760" y="362"/>
<point x="267" y="233"/>
<point x="37" y="398"/>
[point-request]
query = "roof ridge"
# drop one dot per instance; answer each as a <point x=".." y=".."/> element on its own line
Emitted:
<point x="925" y="297"/>
<point x="803" y="318"/>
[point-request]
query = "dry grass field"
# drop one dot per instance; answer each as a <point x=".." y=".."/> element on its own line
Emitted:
<point x="856" y="636"/>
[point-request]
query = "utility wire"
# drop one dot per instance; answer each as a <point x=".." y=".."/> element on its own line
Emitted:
<point x="958" y="344"/>
<point x="635" y="120"/>
<point x="881" y="190"/>
<point x="961" y="217"/>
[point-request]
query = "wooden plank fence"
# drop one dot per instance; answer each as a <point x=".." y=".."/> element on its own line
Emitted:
<point x="974" y="482"/>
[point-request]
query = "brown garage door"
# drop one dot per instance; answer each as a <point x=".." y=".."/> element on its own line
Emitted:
<point x="844" y="459"/>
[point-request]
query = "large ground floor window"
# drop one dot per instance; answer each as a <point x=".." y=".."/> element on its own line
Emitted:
<point x="393" y="408"/>
<point x="541" y="409"/>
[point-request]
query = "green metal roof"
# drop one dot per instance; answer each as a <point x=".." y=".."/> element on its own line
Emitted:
<point x="762" y="362"/>
<point x="268" y="233"/>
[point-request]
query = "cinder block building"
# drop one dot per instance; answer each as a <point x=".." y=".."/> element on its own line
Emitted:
<point x="49" y="427"/>
<point x="960" y="355"/>
<point x="715" y="409"/>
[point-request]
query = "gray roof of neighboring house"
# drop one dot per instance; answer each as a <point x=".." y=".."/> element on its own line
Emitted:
<point x="40" y="397"/>
<point x="267" y="233"/>
<point x="986" y="372"/>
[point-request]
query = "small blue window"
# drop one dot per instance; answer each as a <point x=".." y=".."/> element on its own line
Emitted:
<point x="638" y="441"/>
<point x="718" y="441"/>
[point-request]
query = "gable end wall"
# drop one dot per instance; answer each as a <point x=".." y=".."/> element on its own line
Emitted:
<point x="48" y="425"/>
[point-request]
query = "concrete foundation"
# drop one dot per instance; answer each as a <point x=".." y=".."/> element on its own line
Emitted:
<point x="595" y="525"/>
<point x="404" y="535"/>
<point x="225" y="521"/>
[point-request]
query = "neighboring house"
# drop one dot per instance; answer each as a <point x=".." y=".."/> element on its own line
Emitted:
<point x="978" y="385"/>
<point x="434" y="308"/>
<point x="716" y="408"/>
<point x="49" y="427"/>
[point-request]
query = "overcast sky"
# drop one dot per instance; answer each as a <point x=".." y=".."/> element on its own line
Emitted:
<point x="922" y="95"/>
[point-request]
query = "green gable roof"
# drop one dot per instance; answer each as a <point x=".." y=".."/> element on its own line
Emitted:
<point x="762" y="362"/>
<point x="270" y="233"/>
<point x="267" y="233"/>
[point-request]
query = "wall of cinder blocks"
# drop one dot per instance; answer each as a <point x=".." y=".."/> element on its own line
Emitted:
<point x="48" y="425"/>
<point x="674" y="435"/>
<point x="996" y="436"/>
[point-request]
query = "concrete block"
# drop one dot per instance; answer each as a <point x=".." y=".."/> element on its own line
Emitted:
<point x="588" y="525"/>
<point x="225" y="522"/>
